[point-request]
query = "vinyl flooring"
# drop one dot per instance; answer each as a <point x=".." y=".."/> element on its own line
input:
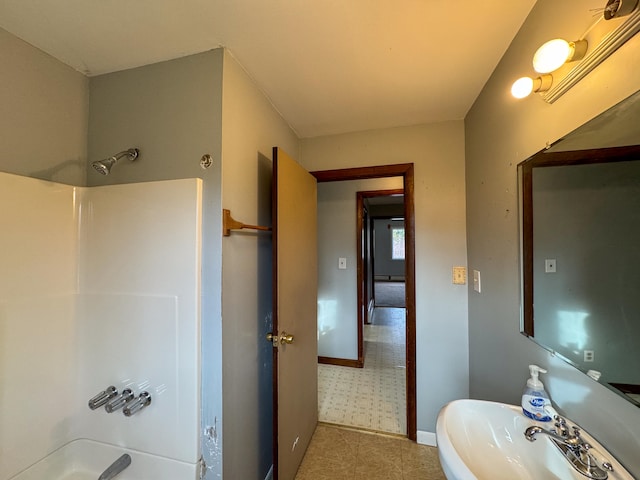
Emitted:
<point x="373" y="397"/>
<point x="338" y="453"/>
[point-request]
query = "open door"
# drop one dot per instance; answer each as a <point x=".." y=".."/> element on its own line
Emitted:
<point x="295" y="284"/>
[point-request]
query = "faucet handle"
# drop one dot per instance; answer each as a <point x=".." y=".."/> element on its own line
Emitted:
<point x="103" y="397"/>
<point x="134" y="405"/>
<point x="119" y="400"/>
<point x="561" y="427"/>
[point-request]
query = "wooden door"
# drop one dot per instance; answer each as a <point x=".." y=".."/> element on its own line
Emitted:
<point x="294" y="313"/>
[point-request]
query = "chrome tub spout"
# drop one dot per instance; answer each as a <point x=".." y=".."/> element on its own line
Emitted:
<point x="116" y="467"/>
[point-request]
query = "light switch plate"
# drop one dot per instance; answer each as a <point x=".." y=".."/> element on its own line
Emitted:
<point x="342" y="263"/>
<point x="477" y="285"/>
<point x="459" y="275"/>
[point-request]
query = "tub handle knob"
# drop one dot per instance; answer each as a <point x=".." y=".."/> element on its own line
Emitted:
<point x="134" y="405"/>
<point x="119" y="401"/>
<point x="103" y="397"/>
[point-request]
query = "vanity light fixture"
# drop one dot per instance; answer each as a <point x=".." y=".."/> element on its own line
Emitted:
<point x="548" y="58"/>
<point x="523" y="87"/>
<point x="619" y="8"/>
<point x="555" y="53"/>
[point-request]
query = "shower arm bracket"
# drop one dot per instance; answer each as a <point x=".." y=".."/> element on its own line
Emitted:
<point x="228" y="224"/>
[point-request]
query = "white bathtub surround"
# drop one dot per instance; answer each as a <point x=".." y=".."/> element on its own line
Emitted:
<point x="100" y="286"/>
<point x="86" y="460"/>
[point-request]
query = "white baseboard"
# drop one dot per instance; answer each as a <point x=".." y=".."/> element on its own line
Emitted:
<point x="426" y="438"/>
<point x="269" y="474"/>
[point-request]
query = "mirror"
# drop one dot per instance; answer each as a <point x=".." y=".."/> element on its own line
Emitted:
<point x="580" y="248"/>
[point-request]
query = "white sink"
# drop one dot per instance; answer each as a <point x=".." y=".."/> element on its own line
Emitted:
<point x="485" y="440"/>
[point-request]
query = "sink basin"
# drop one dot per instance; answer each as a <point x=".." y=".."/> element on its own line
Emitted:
<point x="485" y="440"/>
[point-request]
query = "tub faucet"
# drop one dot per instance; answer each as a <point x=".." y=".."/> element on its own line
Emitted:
<point x="116" y="467"/>
<point x="103" y="397"/>
<point x="134" y="405"/>
<point x="119" y="401"/>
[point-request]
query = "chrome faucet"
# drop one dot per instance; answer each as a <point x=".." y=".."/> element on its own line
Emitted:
<point x="134" y="405"/>
<point x="573" y="447"/>
<point x="119" y="401"/>
<point x="116" y="467"/>
<point x="572" y="441"/>
<point x="103" y="397"/>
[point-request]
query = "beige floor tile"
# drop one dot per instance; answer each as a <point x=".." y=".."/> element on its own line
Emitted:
<point x="422" y="474"/>
<point x="421" y="462"/>
<point x="334" y="443"/>
<point x="337" y="453"/>
<point x="325" y="469"/>
<point x="375" y="472"/>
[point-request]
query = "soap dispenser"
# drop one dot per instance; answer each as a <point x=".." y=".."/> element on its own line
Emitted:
<point x="535" y="400"/>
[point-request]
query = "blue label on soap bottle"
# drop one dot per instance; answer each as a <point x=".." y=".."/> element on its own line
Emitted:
<point x="533" y="407"/>
<point x="537" y="402"/>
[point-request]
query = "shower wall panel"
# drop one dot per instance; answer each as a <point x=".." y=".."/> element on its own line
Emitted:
<point x="139" y="314"/>
<point x="99" y="286"/>
<point x="37" y="302"/>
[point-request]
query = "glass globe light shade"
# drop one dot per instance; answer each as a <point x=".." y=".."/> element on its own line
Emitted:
<point x="552" y="55"/>
<point x="522" y="87"/>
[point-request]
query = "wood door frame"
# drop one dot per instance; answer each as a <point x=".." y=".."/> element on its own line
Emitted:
<point x="406" y="171"/>
<point x="552" y="159"/>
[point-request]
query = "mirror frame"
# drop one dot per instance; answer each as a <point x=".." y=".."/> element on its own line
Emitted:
<point x="546" y="158"/>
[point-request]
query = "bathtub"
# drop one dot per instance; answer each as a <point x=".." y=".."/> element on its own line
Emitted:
<point x="86" y="459"/>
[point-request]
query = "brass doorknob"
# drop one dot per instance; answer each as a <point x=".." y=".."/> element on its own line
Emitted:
<point x="286" y="338"/>
<point x="283" y="338"/>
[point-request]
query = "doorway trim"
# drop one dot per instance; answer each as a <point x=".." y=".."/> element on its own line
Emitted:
<point x="406" y="171"/>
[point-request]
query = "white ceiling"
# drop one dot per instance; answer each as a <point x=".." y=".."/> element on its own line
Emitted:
<point x="328" y="66"/>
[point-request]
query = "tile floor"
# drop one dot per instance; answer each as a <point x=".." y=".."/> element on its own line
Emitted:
<point x="337" y="453"/>
<point x="373" y="397"/>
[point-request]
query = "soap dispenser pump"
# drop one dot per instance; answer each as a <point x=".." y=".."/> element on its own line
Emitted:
<point x="535" y="400"/>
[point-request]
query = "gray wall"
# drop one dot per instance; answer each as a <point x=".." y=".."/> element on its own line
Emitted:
<point x="338" y="289"/>
<point x="45" y="105"/>
<point x="383" y="263"/>
<point x="251" y="127"/>
<point x="172" y="111"/>
<point x="501" y="131"/>
<point x="437" y="150"/>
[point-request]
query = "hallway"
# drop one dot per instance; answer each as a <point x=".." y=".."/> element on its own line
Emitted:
<point x="343" y="454"/>
<point x="373" y="397"/>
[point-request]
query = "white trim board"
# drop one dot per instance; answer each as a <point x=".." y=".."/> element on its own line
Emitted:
<point x="426" y="438"/>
